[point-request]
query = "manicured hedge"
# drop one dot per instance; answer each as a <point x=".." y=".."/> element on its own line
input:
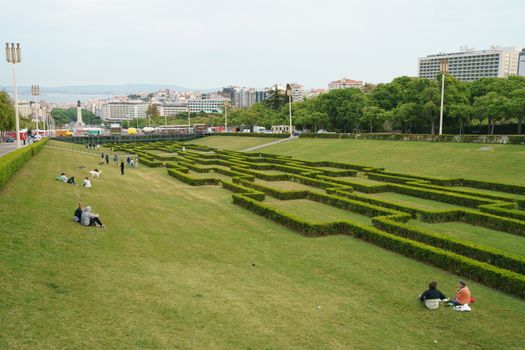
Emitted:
<point x="440" y="196"/>
<point x="475" y="218"/>
<point x="248" y="192"/>
<point x="274" y="192"/>
<point x="13" y="161"/>
<point x="151" y="163"/>
<point x="484" y="254"/>
<point x="191" y="180"/>
<point x="252" y="134"/>
<point x="356" y="186"/>
<point x="501" y="279"/>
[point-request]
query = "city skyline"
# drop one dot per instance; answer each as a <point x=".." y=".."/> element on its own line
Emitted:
<point x="204" y="45"/>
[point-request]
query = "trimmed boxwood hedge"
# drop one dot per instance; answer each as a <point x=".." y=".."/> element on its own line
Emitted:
<point x="13" y="161"/>
<point x="191" y="180"/>
<point x="501" y="279"/>
<point x="484" y="254"/>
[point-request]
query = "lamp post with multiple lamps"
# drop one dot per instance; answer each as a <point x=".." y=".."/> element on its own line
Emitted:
<point x="289" y="93"/>
<point x="14" y="55"/>
<point x="35" y="91"/>
<point x="443" y="69"/>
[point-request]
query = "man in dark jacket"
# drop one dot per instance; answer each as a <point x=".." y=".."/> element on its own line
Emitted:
<point x="122" y="167"/>
<point x="432" y="296"/>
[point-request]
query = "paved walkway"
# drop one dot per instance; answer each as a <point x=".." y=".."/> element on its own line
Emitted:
<point x="8" y="147"/>
<point x="269" y="144"/>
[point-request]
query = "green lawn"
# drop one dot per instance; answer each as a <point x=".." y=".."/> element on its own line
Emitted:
<point x="234" y="143"/>
<point x="503" y="163"/>
<point x="182" y="267"/>
<point x="505" y="242"/>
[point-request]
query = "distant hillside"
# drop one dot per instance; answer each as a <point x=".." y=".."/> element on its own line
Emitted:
<point x="105" y="89"/>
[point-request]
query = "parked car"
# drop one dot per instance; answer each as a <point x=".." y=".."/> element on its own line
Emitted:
<point x="322" y="131"/>
<point x="296" y="133"/>
<point x="9" y="139"/>
<point x="246" y="130"/>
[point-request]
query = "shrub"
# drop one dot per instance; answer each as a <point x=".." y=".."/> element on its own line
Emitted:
<point x="191" y="180"/>
<point x="13" y="161"/>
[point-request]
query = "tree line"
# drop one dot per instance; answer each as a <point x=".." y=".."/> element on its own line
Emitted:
<point x="407" y="104"/>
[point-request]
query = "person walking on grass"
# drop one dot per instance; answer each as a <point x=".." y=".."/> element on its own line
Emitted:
<point x="102" y="155"/>
<point x="137" y="162"/>
<point x="115" y="159"/>
<point x="128" y="161"/>
<point x="107" y="159"/>
<point x="122" y="167"/>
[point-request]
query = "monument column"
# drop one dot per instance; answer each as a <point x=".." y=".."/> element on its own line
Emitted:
<point x="79" y="115"/>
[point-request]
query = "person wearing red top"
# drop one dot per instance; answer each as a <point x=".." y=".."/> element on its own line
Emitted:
<point x="462" y="295"/>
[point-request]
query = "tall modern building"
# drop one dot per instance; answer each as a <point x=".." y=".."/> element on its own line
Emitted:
<point x="469" y="64"/>
<point x="521" y="64"/>
<point x="124" y="110"/>
<point x="246" y="97"/>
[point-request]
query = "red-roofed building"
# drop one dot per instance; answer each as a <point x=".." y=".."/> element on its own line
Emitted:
<point x="345" y="83"/>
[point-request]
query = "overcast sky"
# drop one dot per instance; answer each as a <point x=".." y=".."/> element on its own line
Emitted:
<point x="207" y="43"/>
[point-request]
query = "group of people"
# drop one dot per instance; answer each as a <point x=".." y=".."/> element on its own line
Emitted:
<point x="433" y="296"/>
<point x="130" y="162"/>
<point x="92" y="146"/>
<point x="95" y="173"/>
<point x="85" y="217"/>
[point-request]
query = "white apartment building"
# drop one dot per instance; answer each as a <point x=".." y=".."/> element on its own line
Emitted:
<point x="345" y="83"/>
<point x="297" y="92"/>
<point x="215" y="105"/>
<point x="172" y="109"/>
<point x="469" y="64"/>
<point x="246" y="97"/>
<point x="124" y="110"/>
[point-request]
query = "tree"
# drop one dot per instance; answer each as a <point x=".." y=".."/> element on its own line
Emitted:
<point x="404" y="115"/>
<point x="344" y="108"/>
<point x="462" y="112"/>
<point x="7" y="112"/>
<point x="373" y="117"/>
<point x="492" y="107"/>
<point x="430" y="109"/>
<point x="152" y="111"/>
<point x="517" y="106"/>
<point x="275" y="98"/>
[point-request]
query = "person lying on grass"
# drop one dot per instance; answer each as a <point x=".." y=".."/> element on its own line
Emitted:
<point x="90" y="219"/>
<point x="62" y="177"/>
<point x="432" y="296"/>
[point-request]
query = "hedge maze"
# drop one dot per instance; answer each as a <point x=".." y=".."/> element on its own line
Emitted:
<point x="259" y="182"/>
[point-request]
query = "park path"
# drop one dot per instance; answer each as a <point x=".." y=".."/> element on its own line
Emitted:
<point x="254" y="148"/>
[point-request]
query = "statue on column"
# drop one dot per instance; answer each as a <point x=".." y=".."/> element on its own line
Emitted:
<point x="79" y="122"/>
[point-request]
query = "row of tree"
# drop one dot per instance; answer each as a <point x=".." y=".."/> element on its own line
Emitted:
<point x="407" y="104"/>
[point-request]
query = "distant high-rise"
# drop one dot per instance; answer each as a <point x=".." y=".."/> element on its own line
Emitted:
<point x="470" y="65"/>
<point x="521" y="64"/>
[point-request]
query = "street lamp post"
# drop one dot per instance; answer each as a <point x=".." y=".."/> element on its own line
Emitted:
<point x="35" y="91"/>
<point x="225" y="116"/>
<point x="14" y="55"/>
<point x="443" y="68"/>
<point x="189" y="120"/>
<point x="289" y="94"/>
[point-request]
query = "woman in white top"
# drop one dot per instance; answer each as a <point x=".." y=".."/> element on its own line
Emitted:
<point x="87" y="183"/>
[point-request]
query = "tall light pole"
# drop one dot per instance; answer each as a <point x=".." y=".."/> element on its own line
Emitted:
<point x="225" y="116"/>
<point x="443" y="69"/>
<point x="14" y="55"/>
<point x="289" y="94"/>
<point x="35" y="91"/>
<point x="189" y="120"/>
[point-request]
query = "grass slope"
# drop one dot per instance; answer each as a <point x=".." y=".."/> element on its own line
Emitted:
<point x="503" y="163"/>
<point x="182" y="267"/>
<point x="234" y="143"/>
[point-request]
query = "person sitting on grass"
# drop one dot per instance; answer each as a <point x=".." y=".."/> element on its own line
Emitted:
<point x="62" y="177"/>
<point x="78" y="213"/>
<point x="90" y="219"/>
<point x="462" y="295"/>
<point x="71" y="180"/>
<point x="432" y="296"/>
<point x="87" y="182"/>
